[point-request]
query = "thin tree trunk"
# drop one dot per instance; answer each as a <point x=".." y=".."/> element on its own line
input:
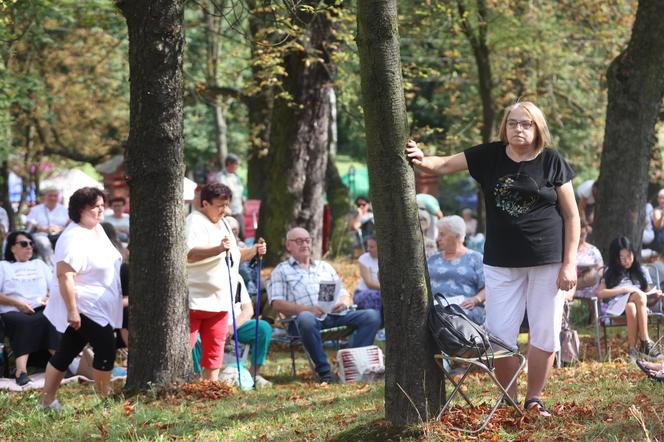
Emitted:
<point x="4" y="193"/>
<point x="299" y="141"/>
<point x="158" y="320"/>
<point x="635" y="88"/>
<point x="212" y="36"/>
<point x="478" y="41"/>
<point x="413" y="382"/>
<point x="337" y="192"/>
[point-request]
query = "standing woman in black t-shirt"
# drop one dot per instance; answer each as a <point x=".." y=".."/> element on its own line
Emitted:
<point x="531" y="239"/>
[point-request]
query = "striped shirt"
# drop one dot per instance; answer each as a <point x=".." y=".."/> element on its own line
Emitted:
<point x="294" y="283"/>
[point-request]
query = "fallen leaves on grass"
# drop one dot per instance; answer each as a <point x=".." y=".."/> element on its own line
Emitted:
<point x="506" y="418"/>
<point x="128" y="408"/>
<point x="204" y="389"/>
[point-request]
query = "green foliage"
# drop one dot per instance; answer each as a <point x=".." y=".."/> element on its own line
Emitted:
<point x="555" y="54"/>
<point x="64" y="80"/>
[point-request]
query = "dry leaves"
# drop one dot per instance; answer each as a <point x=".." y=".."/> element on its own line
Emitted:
<point x="204" y="389"/>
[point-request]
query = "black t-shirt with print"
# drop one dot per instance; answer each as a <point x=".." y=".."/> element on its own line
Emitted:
<point x="524" y="224"/>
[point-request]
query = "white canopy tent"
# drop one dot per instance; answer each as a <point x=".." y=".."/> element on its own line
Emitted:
<point x="69" y="181"/>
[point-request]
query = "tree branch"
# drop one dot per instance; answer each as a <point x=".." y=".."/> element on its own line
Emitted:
<point x="204" y="92"/>
<point x="72" y="152"/>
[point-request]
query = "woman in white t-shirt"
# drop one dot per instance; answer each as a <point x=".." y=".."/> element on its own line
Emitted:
<point x="367" y="293"/>
<point x="23" y="295"/>
<point x="86" y="303"/>
<point x="210" y="244"/>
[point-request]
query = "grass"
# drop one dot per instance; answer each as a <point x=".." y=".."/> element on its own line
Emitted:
<point x="590" y="400"/>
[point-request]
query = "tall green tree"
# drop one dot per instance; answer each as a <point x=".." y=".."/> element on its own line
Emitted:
<point x="299" y="141"/>
<point x="413" y="382"/>
<point x="635" y="89"/>
<point x="158" y="309"/>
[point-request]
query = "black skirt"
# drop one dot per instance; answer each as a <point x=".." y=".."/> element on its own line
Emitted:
<point x="30" y="333"/>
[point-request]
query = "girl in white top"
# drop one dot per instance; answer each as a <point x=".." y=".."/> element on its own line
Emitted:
<point x="367" y="293"/>
<point x="87" y="299"/>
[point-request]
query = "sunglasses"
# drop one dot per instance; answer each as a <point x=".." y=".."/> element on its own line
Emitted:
<point x="24" y="244"/>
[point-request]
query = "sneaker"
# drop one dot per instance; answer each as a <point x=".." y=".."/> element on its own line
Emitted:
<point x="55" y="406"/>
<point x="23" y="379"/>
<point x="633" y="354"/>
<point x="327" y="378"/>
<point x="650" y="350"/>
<point x="261" y="382"/>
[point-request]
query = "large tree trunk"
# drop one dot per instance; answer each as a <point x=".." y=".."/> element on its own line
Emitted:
<point x="635" y="89"/>
<point x="411" y="374"/>
<point x="259" y="104"/>
<point x="299" y="141"/>
<point x="158" y="317"/>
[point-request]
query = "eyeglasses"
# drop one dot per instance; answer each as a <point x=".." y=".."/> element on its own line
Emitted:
<point x="24" y="244"/>
<point x="300" y="241"/>
<point x="625" y="258"/>
<point x="525" y="124"/>
<point x="361" y="204"/>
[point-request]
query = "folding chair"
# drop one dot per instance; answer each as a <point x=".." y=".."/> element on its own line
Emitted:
<point x="485" y="364"/>
<point x="337" y="335"/>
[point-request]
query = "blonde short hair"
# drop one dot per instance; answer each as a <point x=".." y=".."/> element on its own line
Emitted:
<point x="542" y="135"/>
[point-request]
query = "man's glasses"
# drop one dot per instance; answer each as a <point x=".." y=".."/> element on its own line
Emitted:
<point x="361" y="204"/>
<point x="300" y="241"/>
<point x="525" y="124"/>
<point x="24" y="244"/>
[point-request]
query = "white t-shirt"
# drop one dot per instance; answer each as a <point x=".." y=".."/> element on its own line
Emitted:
<point x="26" y="281"/>
<point x="97" y="282"/>
<point x="372" y="264"/>
<point x="40" y="216"/>
<point x="208" y="279"/>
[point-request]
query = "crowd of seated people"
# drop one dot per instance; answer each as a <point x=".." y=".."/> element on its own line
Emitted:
<point x="454" y="270"/>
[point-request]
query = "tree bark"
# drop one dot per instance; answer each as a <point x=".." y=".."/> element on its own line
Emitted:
<point x="158" y="317"/>
<point x="295" y="186"/>
<point x="413" y="382"/>
<point x="635" y="88"/>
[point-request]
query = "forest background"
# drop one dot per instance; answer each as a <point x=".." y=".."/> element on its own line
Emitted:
<point x="64" y="86"/>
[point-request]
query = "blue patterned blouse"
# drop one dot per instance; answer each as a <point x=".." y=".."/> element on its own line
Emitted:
<point x="463" y="276"/>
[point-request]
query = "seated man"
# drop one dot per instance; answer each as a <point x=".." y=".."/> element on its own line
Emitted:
<point x="293" y="291"/>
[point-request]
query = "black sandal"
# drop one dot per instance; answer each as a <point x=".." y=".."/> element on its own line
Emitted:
<point x="658" y="376"/>
<point x="536" y="402"/>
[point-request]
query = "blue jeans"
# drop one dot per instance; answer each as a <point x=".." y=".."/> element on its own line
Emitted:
<point x="308" y="327"/>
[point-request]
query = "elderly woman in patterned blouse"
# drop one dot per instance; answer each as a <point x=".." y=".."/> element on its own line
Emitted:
<point x="456" y="271"/>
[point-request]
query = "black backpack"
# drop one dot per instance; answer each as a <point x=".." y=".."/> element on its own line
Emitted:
<point x="454" y="333"/>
